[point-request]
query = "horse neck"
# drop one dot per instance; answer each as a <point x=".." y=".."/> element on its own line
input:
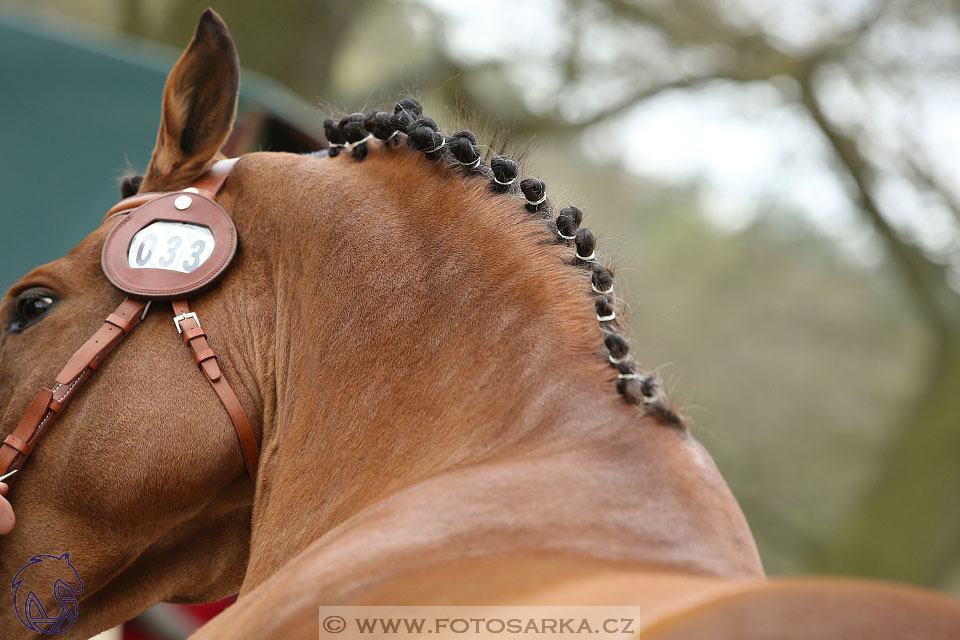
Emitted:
<point x="423" y="325"/>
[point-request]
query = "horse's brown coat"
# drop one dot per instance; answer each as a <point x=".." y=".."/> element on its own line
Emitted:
<point x="428" y="379"/>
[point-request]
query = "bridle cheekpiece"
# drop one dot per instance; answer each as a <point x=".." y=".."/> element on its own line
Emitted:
<point x="167" y="247"/>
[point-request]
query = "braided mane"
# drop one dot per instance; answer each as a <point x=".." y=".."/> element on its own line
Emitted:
<point x="460" y="152"/>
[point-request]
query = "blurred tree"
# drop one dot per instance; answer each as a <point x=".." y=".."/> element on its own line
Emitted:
<point x="295" y="41"/>
<point x="908" y="527"/>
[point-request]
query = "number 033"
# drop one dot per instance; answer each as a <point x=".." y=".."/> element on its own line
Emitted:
<point x="172" y="246"/>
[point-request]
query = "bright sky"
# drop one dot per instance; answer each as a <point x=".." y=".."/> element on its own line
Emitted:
<point x="749" y="146"/>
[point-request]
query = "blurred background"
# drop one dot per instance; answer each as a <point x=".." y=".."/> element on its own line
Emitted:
<point x="777" y="183"/>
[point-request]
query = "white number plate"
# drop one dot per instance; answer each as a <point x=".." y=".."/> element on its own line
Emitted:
<point x="173" y="246"/>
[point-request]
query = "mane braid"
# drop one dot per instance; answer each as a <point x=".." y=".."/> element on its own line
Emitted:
<point x="460" y="152"/>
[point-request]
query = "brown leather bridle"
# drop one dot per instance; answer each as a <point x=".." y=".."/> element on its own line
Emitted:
<point x="48" y="404"/>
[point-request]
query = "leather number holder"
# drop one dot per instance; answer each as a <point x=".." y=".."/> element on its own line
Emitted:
<point x="170" y="248"/>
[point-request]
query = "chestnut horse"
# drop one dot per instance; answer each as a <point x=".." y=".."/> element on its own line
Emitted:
<point x="446" y="409"/>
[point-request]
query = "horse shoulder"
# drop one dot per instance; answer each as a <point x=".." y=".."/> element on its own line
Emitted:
<point x="288" y="604"/>
<point x="661" y="605"/>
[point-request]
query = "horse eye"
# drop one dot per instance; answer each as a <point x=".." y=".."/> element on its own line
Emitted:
<point x="30" y="307"/>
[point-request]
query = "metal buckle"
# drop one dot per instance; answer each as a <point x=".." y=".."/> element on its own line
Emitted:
<point x="184" y="316"/>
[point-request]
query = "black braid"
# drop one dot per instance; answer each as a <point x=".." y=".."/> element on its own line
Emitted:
<point x="626" y="384"/>
<point x="601" y="278"/>
<point x="663" y="413"/>
<point x="649" y="386"/>
<point x="463" y="147"/>
<point x="381" y="125"/>
<point x="629" y="389"/>
<point x="535" y="191"/>
<point x="332" y="131"/>
<point x="617" y="346"/>
<point x="425" y="136"/>
<point x="605" y="308"/>
<point x="505" y="172"/>
<point x="586" y="244"/>
<point x="353" y="131"/>
<point x="405" y="112"/>
<point x="643" y="389"/>
<point x="130" y="186"/>
<point x="568" y="221"/>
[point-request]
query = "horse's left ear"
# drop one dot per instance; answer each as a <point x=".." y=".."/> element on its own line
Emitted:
<point x="199" y="105"/>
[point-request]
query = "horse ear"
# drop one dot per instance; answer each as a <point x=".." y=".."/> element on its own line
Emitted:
<point x="65" y="556"/>
<point x="199" y="105"/>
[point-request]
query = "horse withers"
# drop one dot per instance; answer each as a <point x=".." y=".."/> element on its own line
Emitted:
<point x="433" y="364"/>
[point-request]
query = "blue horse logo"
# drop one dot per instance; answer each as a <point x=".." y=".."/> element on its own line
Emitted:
<point x="29" y="593"/>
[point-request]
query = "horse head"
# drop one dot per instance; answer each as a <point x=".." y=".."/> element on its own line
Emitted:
<point x="140" y="470"/>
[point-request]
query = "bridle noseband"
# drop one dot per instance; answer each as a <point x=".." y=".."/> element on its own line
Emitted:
<point x="200" y="242"/>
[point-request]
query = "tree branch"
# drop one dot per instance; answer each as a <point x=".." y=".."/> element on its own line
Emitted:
<point x="929" y="181"/>
<point x="922" y="276"/>
<point x="754" y="58"/>
<point x="553" y="122"/>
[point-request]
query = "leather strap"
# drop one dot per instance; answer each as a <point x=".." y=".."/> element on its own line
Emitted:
<point x="206" y="359"/>
<point x="129" y="204"/>
<point x="209" y="185"/>
<point x="212" y="181"/>
<point x="49" y="403"/>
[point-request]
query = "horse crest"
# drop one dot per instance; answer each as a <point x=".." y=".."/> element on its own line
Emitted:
<point x="31" y="587"/>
